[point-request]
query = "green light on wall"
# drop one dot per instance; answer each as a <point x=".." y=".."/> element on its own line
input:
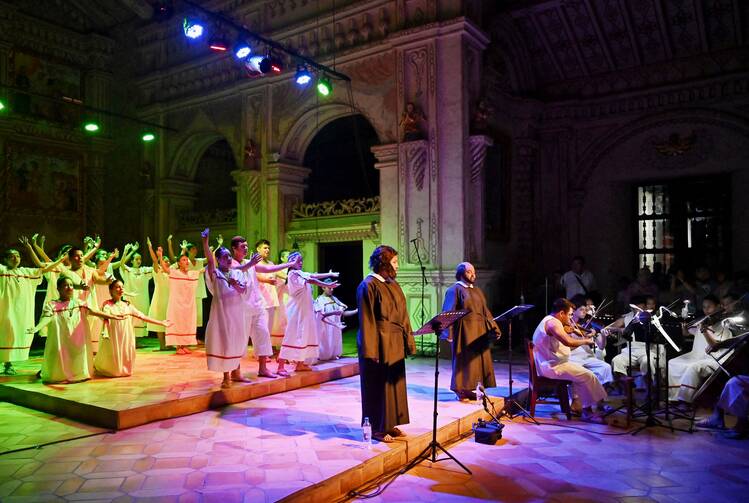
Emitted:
<point x="148" y="137"/>
<point x="2" y="106"/>
<point x="91" y="127"/>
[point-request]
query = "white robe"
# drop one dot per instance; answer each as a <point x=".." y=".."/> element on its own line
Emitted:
<point x="301" y="340"/>
<point x="182" y="308"/>
<point x="160" y="302"/>
<point x="67" y="351"/>
<point x="268" y="294"/>
<point x="85" y="275"/>
<point x="586" y="357"/>
<point x="136" y="282"/>
<point x="688" y="372"/>
<point x="101" y="294"/>
<point x="553" y="361"/>
<point x="116" y="354"/>
<point x="331" y="335"/>
<point x="200" y="292"/>
<point x="226" y="334"/>
<point x="17" y="289"/>
<point x="278" y="327"/>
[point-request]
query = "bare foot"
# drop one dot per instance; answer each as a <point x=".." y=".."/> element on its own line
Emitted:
<point x="283" y="373"/>
<point x="302" y="367"/>
<point x="226" y="384"/>
<point x="266" y="373"/>
<point x="383" y="437"/>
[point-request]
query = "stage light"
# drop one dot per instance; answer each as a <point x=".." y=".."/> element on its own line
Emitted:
<point x="2" y="106"/>
<point x="162" y="11"/>
<point x="323" y="86"/>
<point x="193" y="28"/>
<point x="270" y="64"/>
<point x="148" y="137"/>
<point x="242" y="49"/>
<point x="303" y="76"/>
<point x="253" y="63"/>
<point x="218" y="44"/>
<point x="91" y="127"/>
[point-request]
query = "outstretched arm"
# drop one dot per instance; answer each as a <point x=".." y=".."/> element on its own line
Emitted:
<point x="91" y="251"/>
<point x="105" y="316"/>
<point x="210" y="264"/>
<point x="160" y="256"/>
<point x="269" y="268"/>
<point x="154" y="259"/>
<point x="25" y="242"/>
<point x="39" y="247"/>
<point x="125" y="256"/>
<point x="52" y="265"/>
<point x="170" y="247"/>
<point x="324" y="275"/>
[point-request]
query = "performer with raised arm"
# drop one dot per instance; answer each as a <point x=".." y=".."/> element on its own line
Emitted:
<point x="384" y="339"/>
<point x="68" y="357"/>
<point x="470" y="336"/>
<point x="278" y="327"/>
<point x="552" y="354"/>
<point x="160" y="300"/>
<point x="225" y="336"/>
<point x="116" y="354"/>
<point x="301" y="341"/>
<point x="330" y="312"/>
<point x="17" y="288"/>
<point x="182" y="304"/>
<point x="136" y="278"/>
<point x="266" y="282"/>
<point x="256" y="324"/>
<point x="196" y="264"/>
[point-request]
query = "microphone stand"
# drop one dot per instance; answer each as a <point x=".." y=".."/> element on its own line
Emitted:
<point x="424" y="282"/>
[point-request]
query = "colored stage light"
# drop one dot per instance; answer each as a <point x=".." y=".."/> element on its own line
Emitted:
<point x="253" y="63"/>
<point x="91" y="127"/>
<point x="148" y="137"/>
<point x="303" y="76"/>
<point x="193" y="29"/>
<point x="242" y="49"/>
<point x="323" y="86"/>
<point x="2" y="106"/>
<point x="271" y="64"/>
<point x="218" y="44"/>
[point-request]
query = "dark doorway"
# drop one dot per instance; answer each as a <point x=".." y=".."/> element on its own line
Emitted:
<point x="345" y="258"/>
<point x="342" y="164"/>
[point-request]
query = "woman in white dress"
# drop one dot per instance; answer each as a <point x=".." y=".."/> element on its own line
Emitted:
<point x="182" y="306"/>
<point x="136" y="278"/>
<point x="226" y="334"/>
<point x="278" y="326"/>
<point x="116" y="354"/>
<point x="301" y="340"/>
<point x="17" y="288"/>
<point x="68" y="357"/>
<point x="160" y="300"/>
<point x="330" y="312"/>
<point x="196" y="264"/>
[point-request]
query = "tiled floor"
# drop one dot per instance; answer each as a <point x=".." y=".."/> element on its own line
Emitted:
<point x="269" y="448"/>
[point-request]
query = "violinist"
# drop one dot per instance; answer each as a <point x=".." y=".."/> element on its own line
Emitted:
<point x="677" y="367"/>
<point x="552" y="354"/>
<point x="636" y="349"/>
<point x="717" y="326"/>
<point x="586" y="355"/>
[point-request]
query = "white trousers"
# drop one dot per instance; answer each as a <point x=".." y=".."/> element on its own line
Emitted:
<point x="639" y="358"/>
<point x="600" y="368"/>
<point x="259" y="333"/>
<point x="585" y="384"/>
<point x="693" y="377"/>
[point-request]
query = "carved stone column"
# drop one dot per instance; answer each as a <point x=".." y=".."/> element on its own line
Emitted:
<point x="387" y="165"/>
<point x="175" y="196"/>
<point x="284" y="187"/>
<point x="474" y="230"/>
<point x="95" y="196"/>
<point x="524" y="164"/>
<point x="249" y="200"/>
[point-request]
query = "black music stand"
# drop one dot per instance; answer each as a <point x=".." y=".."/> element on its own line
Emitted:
<point x="509" y="401"/>
<point x="437" y="325"/>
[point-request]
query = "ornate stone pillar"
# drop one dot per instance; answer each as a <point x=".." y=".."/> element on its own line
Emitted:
<point x="249" y="200"/>
<point x="474" y="230"/>
<point x="524" y="164"/>
<point x="387" y="164"/>
<point x="284" y="187"/>
<point x="175" y="197"/>
<point x="97" y="84"/>
<point x="95" y="196"/>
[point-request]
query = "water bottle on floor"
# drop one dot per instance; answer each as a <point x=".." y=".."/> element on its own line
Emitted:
<point x="479" y="393"/>
<point x="366" y="430"/>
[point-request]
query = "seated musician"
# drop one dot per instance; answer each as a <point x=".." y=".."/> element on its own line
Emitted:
<point x="586" y="355"/>
<point x="636" y="347"/>
<point x="678" y="366"/>
<point x="713" y="330"/>
<point x="552" y="354"/>
<point x="734" y="399"/>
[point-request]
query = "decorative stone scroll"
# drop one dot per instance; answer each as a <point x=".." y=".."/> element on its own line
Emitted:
<point x="362" y="206"/>
<point x="208" y="217"/>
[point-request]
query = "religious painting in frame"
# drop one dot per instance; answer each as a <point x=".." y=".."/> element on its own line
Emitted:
<point x="42" y="181"/>
<point x="47" y="83"/>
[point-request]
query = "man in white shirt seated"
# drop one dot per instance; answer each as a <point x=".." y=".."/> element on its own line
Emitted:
<point x="552" y="355"/>
<point x="578" y="280"/>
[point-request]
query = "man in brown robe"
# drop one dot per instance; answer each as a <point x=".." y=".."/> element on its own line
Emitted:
<point x="383" y="341"/>
<point x="471" y="335"/>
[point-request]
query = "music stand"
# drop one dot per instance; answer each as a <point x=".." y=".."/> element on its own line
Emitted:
<point x="437" y="325"/>
<point x="508" y="316"/>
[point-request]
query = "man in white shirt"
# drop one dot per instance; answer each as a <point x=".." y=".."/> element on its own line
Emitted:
<point x="578" y="280"/>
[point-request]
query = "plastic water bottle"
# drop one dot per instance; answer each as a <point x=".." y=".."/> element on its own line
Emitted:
<point x="479" y="393"/>
<point x="366" y="432"/>
<point x="685" y="310"/>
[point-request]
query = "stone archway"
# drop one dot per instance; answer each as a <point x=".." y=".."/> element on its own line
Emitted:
<point x="184" y="164"/>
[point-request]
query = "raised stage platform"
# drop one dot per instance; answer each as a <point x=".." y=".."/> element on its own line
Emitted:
<point x="163" y="386"/>
<point x="300" y="445"/>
